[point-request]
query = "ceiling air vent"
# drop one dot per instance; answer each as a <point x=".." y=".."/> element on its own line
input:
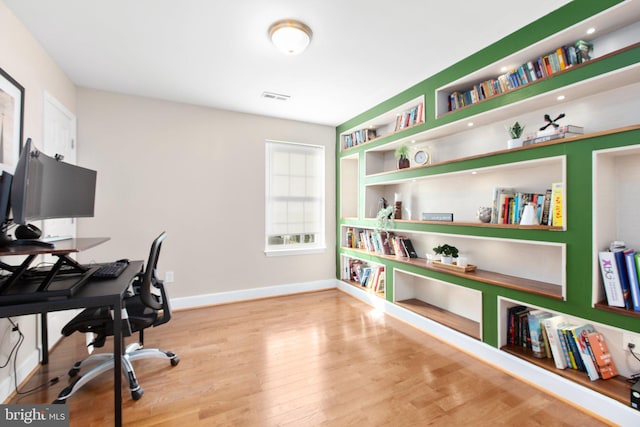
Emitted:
<point x="276" y="96"/>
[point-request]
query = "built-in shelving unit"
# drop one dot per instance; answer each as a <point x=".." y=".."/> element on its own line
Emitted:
<point x="552" y="268"/>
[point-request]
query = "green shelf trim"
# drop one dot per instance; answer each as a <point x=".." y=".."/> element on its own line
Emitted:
<point x="535" y="235"/>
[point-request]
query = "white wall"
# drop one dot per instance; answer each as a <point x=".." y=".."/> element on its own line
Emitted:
<point x="26" y="61"/>
<point x="197" y="173"/>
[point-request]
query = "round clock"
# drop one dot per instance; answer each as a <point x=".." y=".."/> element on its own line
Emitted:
<point x="421" y="157"/>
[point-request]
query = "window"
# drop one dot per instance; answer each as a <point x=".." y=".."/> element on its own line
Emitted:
<point x="294" y="211"/>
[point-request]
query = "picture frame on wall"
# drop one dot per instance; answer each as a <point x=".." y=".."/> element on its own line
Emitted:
<point x="11" y="119"/>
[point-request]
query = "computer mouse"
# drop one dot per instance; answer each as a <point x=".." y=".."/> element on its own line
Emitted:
<point x="28" y="231"/>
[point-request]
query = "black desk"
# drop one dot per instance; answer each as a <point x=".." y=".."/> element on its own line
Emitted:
<point x="94" y="293"/>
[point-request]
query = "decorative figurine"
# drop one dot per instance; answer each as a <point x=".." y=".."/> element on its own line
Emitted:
<point x="552" y="122"/>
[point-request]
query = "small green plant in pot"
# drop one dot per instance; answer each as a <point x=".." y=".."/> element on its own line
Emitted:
<point x="446" y="252"/>
<point x="515" y="131"/>
<point x="402" y="154"/>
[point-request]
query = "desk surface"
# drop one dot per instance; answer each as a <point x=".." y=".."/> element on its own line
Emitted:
<point x="60" y="247"/>
<point x="94" y="293"/>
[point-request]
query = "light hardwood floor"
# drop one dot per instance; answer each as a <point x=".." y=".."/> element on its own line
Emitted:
<point x="317" y="359"/>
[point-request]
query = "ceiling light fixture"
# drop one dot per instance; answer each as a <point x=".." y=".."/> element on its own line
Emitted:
<point x="290" y="36"/>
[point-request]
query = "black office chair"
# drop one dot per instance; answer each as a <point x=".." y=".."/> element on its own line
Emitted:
<point x="145" y="308"/>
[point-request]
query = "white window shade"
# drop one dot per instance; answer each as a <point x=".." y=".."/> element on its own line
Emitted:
<point x="294" y="197"/>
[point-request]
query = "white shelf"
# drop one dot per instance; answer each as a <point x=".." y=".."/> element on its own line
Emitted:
<point x="462" y="193"/>
<point x="454" y="306"/>
<point x="616" y="182"/>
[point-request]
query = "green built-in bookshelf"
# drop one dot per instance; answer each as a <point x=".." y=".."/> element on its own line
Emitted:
<point x="551" y="268"/>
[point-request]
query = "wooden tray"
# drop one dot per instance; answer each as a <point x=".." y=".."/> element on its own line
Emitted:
<point x="454" y="266"/>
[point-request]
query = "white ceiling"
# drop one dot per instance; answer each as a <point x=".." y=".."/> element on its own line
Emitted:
<point x="216" y="53"/>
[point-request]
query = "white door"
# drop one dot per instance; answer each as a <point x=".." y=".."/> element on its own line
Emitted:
<point x="59" y="137"/>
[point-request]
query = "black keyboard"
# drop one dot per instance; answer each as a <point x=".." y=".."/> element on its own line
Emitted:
<point x="110" y="271"/>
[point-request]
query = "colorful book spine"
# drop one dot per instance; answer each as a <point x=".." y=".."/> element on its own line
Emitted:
<point x="557" y="197"/>
<point x="610" y="279"/>
<point x="631" y="258"/>
<point x="551" y="325"/>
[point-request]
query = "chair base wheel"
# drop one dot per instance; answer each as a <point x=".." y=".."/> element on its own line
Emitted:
<point x="175" y="361"/>
<point x="135" y="395"/>
<point x="59" y="402"/>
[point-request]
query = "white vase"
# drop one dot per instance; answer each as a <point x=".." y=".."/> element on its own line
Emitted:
<point x="446" y="259"/>
<point x="514" y="143"/>
<point x="529" y="216"/>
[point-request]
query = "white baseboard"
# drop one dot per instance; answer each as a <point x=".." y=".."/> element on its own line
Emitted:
<point x="569" y="391"/>
<point x="7" y="386"/>
<point x="249" y="294"/>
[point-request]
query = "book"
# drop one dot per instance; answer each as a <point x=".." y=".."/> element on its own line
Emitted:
<point x="551" y="325"/>
<point x="632" y="272"/>
<point x="611" y="279"/>
<point x="513" y="316"/>
<point x="408" y="248"/>
<point x="535" y="318"/>
<point x="623" y="276"/>
<point x="546" y="206"/>
<point x="601" y="354"/>
<point x="565" y="346"/>
<point x="499" y="196"/>
<point x="579" y="334"/>
<point x="557" y="204"/>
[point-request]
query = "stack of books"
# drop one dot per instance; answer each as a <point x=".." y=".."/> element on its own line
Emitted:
<point x="554" y="133"/>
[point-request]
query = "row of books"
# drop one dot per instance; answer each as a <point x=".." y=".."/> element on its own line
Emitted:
<point x="560" y="59"/>
<point x="508" y="205"/>
<point x="553" y="133"/>
<point x="379" y="242"/>
<point x="406" y="119"/>
<point x="570" y="345"/>
<point x="358" y="137"/>
<point x="411" y="117"/>
<point x="620" y="268"/>
<point x="370" y="277"/>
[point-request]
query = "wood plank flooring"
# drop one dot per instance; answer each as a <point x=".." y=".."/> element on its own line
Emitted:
<point x="317" y="359"/>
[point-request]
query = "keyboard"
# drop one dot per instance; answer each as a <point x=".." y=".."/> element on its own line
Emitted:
<point x="111" y="270"/>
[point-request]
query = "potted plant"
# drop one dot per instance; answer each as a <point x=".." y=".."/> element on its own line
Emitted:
<point x="446" y="252"/>
<point x="402" y="154"/>
<point x="515" y="130"/>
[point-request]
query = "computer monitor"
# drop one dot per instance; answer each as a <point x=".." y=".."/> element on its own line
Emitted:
<point x="45" y="187"/>
<point x="6" y="180"/>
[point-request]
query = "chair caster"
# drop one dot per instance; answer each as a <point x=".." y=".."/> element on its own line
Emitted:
<point x="137" y="394"/>
<point x="75" y="369"/>
<point x="175" y="361"/>
<point x="59" y="402"/>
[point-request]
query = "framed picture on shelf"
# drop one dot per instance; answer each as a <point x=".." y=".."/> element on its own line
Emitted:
<point x="11" y="119"/>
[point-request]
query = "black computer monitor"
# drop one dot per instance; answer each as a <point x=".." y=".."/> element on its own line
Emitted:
<point x="45" y="187"/>
<point x="6" y="180"/>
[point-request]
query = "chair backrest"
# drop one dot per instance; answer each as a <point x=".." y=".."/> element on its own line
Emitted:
<point x="149" y="275"/>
